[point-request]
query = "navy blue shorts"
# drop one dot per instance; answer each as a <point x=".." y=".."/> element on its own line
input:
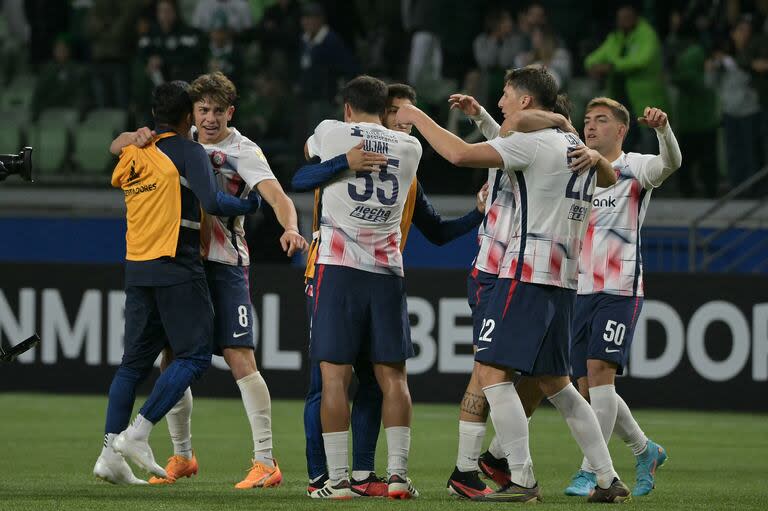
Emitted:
<point x="358" y="313"/>
<point x="603" y="327"/>
<point x="527" y="328"/>
<point x="179" y="316"/>
<point x="479" y="290"/>
<point x="230" y="293"/>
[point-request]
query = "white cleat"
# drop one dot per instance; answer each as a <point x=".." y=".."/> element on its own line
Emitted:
<point x="138" y="452"/>
<point x="340" y="491"/>
<point x="113" y="469"/>
<point x="401" y="489"/>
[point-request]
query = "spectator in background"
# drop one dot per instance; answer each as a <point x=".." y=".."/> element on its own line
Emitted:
<point x="499" y="44"/>
<point x="739" y="102"/>
<point x="111" y="32"/>
<point x="224" y="53"/>
<point x="755" y="60"/>
<point x="236" y="13"/>
<point x="425" y="64"/>
<point x="697" y="114"/>
<point x="58" y="81"/>
<point x="531" y="17"/>
<point x="325" y="60"/>
<point x="279" y="33"/>
<point x="631" y="61"/>
<point x="171" y="50"/>
<point x="546" y="51"/>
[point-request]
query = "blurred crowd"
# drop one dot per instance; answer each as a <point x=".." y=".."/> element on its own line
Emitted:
<point x="703" y="61"/>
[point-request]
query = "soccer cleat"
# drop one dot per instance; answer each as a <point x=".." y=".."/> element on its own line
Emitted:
<point x="139" y="452"/>
<point x="316" y="484"/>
<point x="616" y="493"/>
<point x="178" y="466"/>
<point x="371" y="486"/>
<point x="652" y="458"/>
<point x="339" y="491"/>
<point x="114" y="469"/>
<point x="582" y="484"/>
<point x="467" y="484"/>
<point x="261" y="476"/>
<point x="399" y="488"/>
<point x="513" y="493"/>
<point x="496" y="469"/>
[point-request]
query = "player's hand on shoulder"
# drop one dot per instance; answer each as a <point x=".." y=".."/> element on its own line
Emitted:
<point x="291" y="242"/>
<point x="653" y="117"/>
<point x="482" y="196"/>
<point x="583" y="158"/>
<point x="361" y="160"/>
<point x="143" y="136"/>
<point x="465" y="103"/>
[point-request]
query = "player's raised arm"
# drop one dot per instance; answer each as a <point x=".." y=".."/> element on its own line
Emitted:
<point x="139" y="138"/>
<point x="475" y="111"/>
<point x="356" y="159"/>
<point x="659" y="168"/>
<point x="526" y="121"/>
<point x="448" y="145"/>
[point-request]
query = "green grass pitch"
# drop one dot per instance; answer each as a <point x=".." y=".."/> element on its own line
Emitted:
<point x="48" y="445"/>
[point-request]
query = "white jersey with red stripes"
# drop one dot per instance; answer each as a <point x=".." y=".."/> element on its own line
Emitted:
<point x="553" y="205"/>
<point x="239" y="165"/>
<point x="361" y="211"/>
<point x="496" y="229"/>
<point x="610" y="259"/>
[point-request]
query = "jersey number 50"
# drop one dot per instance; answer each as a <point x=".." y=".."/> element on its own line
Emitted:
<point x="381" y="192"/>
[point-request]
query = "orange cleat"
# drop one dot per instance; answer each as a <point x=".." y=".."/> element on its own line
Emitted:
<point x="261" y="476"/>
<point x="178" y="466"/>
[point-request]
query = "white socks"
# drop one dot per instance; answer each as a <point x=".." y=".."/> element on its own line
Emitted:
<point x="495" y="448"/>
<point x="258" y="408"/>
<point x="107" y="450"/>
<point x="511" y="426"/>
<point x="139" y="429"/>
<point x="336" y="455"/>
<point x="628" y="430"/>
<point x="585" y="429"/>
<point x="605" y="404"/>
<point x="471" y="435"/>
<point x="179" y="420"/>
<point x="398" y="446"/>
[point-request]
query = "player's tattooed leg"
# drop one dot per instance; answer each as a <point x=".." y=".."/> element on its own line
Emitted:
<point x="475" y="404"/>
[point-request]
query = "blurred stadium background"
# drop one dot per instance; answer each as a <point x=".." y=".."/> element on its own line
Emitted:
<point x="76" y="73"/>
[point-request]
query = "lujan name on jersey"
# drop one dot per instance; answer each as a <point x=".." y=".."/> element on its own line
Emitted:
<point x="361" y="211"/>
<point x="239" y="165"/>
<point x="553" y="206"/>
<point x="610" y="259"/>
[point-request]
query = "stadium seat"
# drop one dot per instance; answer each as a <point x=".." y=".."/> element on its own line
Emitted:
<point x="64" y="117"/>
<point x="110" y="119"/>
<point x="18" y="94"/>
<point x="91" y="152"/>
<point x="50" y="142"/>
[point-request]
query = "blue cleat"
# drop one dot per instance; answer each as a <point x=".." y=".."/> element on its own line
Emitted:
<point x="582" y="484"/>
<point x="652" y="458"/>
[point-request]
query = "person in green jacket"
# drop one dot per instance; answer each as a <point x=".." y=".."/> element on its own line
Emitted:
<point x="630" y="59"/>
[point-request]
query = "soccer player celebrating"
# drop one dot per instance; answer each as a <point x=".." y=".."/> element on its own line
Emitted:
<point x="165" y="184"/>
<point x="366" y="408"/>
<point x="610" y="294"/>
<point x="537" y="280"/>
<point x="239" y="166"/>
<point x="359" y="294"/>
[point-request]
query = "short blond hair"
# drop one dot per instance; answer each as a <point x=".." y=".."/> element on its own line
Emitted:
<point x="214" y="86"/>
<point x="619" y="111"/>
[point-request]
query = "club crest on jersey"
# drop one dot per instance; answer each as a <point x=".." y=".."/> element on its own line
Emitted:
<point x="218" y="158"/>
<point x="375" y="215"/>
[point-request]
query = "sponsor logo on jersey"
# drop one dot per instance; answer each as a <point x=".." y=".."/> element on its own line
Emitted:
<point x="375" y="215"/>
<point x="607" y="202"/>
<point x="133" y="175"/>
<point x="140" y="189"/>
<point x="577" y="213"/>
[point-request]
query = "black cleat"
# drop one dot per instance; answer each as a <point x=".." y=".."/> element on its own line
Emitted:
<point x="467" y="485"/>
<point x="513" y="493"/>
<point x="495" y="469"/>
<point x="616" y="493"/>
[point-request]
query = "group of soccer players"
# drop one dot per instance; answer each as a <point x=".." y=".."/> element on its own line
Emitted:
<point x="555" y="290"/>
